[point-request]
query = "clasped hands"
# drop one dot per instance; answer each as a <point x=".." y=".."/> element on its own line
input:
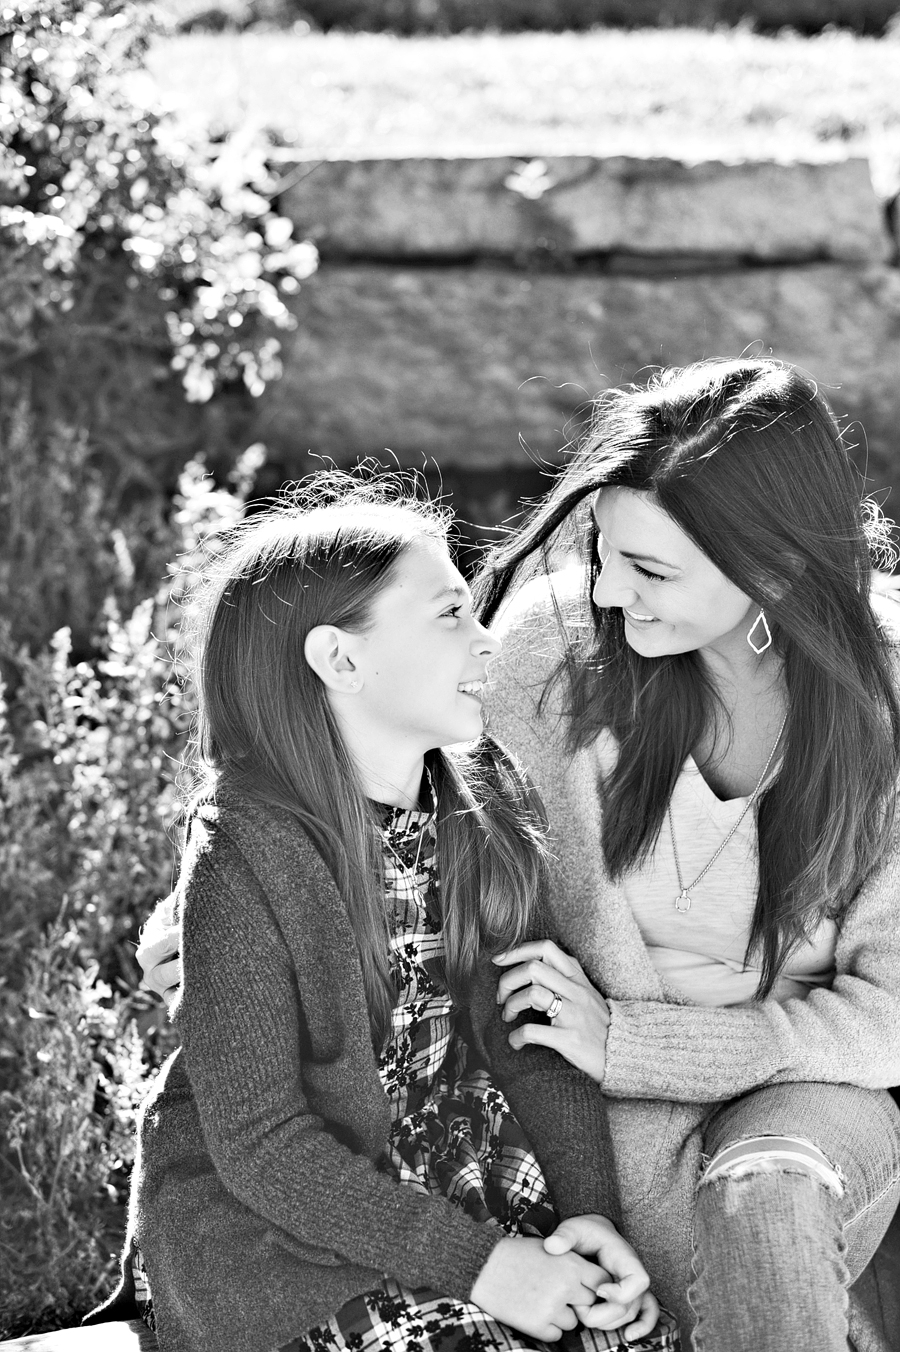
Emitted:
<point x="535" y="973"/>
<point x="584" y="1271"/>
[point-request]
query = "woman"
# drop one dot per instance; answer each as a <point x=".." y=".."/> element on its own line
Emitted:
<point x="326" y="1163"/>
<point x="708" y="704"/>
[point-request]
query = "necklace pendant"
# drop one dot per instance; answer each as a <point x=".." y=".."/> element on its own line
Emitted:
<point x="683" y="901"/>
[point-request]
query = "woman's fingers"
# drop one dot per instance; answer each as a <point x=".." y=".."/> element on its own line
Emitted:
<point x="538" y="973"/>
<point x="541" y="950"/>
<point x="538" y="993"/>
<point x="587" y="1054"/>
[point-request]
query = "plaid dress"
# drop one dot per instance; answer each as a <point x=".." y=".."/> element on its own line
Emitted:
<point x="452" y="1135"/>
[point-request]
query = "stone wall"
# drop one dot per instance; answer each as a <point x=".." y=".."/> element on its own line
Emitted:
<point x="467" y="310"/>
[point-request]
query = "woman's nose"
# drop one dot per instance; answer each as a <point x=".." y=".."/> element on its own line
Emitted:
<point x="613" y="586"/>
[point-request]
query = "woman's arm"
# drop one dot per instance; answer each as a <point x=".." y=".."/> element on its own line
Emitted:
<point x="849" y="1033"/>
<point x="241" y="1018"/>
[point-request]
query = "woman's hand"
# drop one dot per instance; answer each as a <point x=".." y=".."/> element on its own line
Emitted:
<point x="538" y="971"/>
<point x="535" y="1291"/>
<point x="623" y="1300"/>
<point x="158" y="952"/>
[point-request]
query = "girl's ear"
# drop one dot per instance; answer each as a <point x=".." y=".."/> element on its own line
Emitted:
<point x="328" y="651"/>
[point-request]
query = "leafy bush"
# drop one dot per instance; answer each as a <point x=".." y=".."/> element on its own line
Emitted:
<point x="454" y="16"/>
<point x="140" y="274"/>
<point x="88" y="799"/>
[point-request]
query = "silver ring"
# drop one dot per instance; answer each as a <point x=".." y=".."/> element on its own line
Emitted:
<point x="554" y="1007"/>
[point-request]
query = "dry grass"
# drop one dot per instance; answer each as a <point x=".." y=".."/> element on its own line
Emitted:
<point x="697" y="94"/>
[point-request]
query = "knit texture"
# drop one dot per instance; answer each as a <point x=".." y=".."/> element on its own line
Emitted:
<point x="669" y="1062"/>
<point x="260" y="1199"/>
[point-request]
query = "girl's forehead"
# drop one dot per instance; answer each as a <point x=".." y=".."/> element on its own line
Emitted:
<point x="425" y="571"/>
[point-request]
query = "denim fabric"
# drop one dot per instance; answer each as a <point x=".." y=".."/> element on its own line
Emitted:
<point x="776" y="1249"/>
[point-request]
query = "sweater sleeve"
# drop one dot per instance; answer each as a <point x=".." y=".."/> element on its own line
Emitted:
<point x="849" y="1033"/>
<point x="560" y="1109"/>
<point x="240" y="1015"/>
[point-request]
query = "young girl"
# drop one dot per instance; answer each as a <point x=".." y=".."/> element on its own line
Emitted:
<point x="326" y="1163"/>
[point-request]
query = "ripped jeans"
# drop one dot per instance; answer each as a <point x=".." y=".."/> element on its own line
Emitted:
<point x="801" y="1183"/>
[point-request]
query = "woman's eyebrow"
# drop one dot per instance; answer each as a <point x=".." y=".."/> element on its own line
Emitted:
<point x="645" y="558"/>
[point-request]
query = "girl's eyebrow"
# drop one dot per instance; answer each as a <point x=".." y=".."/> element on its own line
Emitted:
<point x="456" y="590"/>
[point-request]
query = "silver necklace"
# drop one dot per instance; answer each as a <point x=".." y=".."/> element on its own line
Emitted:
<point x="683" y="900"/>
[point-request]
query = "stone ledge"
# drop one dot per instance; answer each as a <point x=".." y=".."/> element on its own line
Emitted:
<point x="582" y="205"/>
<point x="463" y="364"/>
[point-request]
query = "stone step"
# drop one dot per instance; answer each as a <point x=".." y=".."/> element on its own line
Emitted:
<point x="482" y="367"/>
<point x="586" y="205"/>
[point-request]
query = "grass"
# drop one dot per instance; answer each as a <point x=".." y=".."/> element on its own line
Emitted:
<point x="652" y="92"/>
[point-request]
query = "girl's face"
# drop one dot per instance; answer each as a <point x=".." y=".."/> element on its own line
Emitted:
<point x="423" y="658"/>
<point x="672" y="597"/>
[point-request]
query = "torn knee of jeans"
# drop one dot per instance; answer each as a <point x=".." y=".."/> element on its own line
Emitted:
<point x="771" y="1155"/>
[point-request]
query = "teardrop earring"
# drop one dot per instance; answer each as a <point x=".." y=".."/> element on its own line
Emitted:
<point x="760" y="619"/>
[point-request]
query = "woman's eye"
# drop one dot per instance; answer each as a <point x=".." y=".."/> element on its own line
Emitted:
<point x="645" y="572"/>
<point x="452" y="612"/>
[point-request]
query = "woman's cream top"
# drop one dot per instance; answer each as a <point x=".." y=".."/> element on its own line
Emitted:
<point x="701" y="951"/>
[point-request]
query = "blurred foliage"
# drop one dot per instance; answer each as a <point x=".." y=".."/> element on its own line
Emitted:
<point x="871" y="17"/>
<point x="89" y="791"/>
<point x="141" y="273"/>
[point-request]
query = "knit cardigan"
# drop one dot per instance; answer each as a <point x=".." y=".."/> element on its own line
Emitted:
<point x="260" y="1197"/>
<point x="670" y="1062"/>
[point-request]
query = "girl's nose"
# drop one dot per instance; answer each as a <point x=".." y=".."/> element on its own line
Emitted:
<point x="484" y="643"/>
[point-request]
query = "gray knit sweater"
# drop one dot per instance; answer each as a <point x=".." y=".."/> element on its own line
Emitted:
<point x="260" y="1200"/>
<point x="670" y="1062"/>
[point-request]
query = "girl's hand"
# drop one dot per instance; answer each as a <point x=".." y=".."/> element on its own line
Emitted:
<point x="536" y="973"/>
<point x="534" y="1291"/>
<point x="624" y="1299"/>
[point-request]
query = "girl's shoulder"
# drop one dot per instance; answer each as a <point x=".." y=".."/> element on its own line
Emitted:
<point x="263" y="836"/>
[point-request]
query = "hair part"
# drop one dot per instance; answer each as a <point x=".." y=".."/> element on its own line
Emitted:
<point x="748" y="460"/>
<point x="322" y="554"/>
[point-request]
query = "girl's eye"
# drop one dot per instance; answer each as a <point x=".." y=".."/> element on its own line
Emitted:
<point x="645" y="572"/>
<point x="452" y="612"/>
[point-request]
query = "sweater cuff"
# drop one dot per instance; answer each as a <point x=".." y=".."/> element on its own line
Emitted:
<point x="465" y="1256"/>
<point x="688" y="1054"/>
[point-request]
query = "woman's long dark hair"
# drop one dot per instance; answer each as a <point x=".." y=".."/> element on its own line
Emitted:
<point x="265" y="726"/>
<point x="747" y="458"/>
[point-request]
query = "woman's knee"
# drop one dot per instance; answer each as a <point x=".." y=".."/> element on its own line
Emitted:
<point x="770" y="1154"/>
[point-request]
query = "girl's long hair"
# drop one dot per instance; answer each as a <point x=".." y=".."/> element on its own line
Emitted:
<point x="265" y="726"/>
<point x="747" y="458"/>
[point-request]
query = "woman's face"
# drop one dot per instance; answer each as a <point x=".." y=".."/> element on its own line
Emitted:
<point x="672" y="597"/>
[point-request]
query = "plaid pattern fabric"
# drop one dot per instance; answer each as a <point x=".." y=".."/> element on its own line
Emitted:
<point x="452" y="1134"/>
<point x="394" y="1320"/>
